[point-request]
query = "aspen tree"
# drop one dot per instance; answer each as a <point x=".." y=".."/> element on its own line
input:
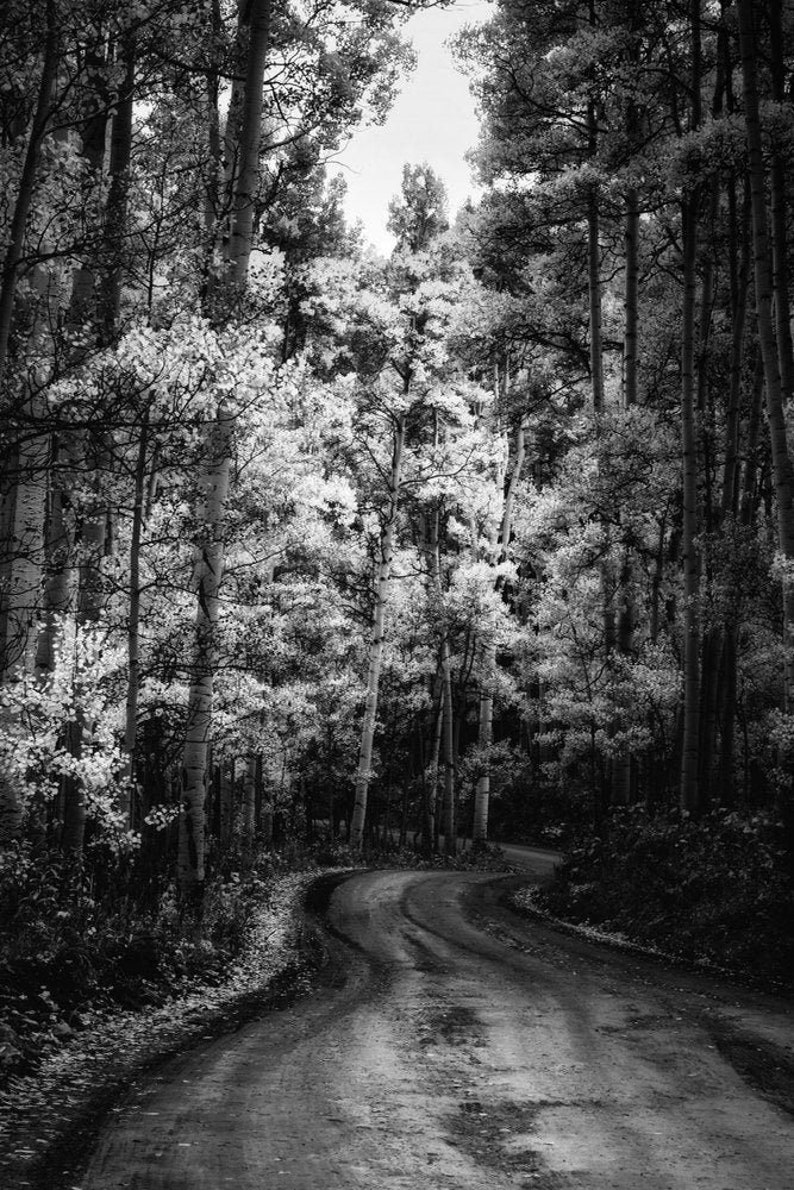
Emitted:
<point x="482" y="793"/>
<point x="243" y="145"/>
<point x="377" y="635"/>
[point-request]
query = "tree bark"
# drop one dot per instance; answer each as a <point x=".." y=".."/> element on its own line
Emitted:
<point x="27" y="181"/>
<point x="382" y="577"/>
<point x="690" y="794"/>
<point x="482" y="794"/>
<point x="247" y="148"/>
<point x="207" y="577"/>
<point x="133" y="622"/>
<point x="764" y="291"/>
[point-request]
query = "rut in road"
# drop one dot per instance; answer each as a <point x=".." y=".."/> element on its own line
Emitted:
<point x="454" y="1046"/>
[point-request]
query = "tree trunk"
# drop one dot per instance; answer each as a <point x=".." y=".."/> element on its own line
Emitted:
<point x="249" y="805"/>
<point x="244" y="148"/>
<point x="21" y="569"/>
<point x="377" y="637"/>
<point x="764" y="291"/>
<point x="730" y="486"/>
<point x="690" y="744"/>
<point x="448" y="752"/>
<point x="778" y="189"/>
<point x="133" y="621"/>
<point x="631" y="298"/>
<point x="594" y="287"/>
<point x="482" y="794"/>
<point x="207" y="577"/>
<point x="115" y="231"/>
<point x="690" y="794"/>
<point x="27" y="181"/>
<point x="248" y="144"/>
<point x="621" y="776"/>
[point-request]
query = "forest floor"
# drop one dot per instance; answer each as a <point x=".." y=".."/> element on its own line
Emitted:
<point x="410" y="1027"/>
<point x="448" y="1042"/>
<point x="72" y="1076"/>
<point x="49" y="1117"/>
<point x="427" y="1035"/>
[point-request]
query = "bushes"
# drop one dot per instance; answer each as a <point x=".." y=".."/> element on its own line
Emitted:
<point x="711" y="889"/>
<point x="64" y="950"/>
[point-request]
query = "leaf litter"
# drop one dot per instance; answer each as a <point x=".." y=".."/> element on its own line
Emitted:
<point x="58" y="1106"/>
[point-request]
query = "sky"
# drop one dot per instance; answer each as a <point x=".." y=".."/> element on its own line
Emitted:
<point x="433" y="121"/>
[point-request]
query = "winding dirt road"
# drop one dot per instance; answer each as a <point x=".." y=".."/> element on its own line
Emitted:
<point x="452" y="1044"/>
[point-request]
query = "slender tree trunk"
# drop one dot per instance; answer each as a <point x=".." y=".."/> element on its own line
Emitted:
<point x="437" y="792"/>
<point x="21" y="571"/>
<point x="594" y="256"/>
<point x="739" y="321"/>
<point x="448" y="740"/>
<point x="248" y="148"/>
<point x="448" y="750"/>
<point x="690" y="794"/>
<point x="631" y="298"/>
<point x="133" y="621"/>
<point x="594" y="287"/>
<point x="27" y="181"/>
<point x="382" y="576"/>
<point x="690" y="743"/>
<point x="764" y="290"/>
<point x="207" y="577"/>
<point x="780" y="203"/>
<point x="482" y="795"/>
<point x="621" y="776"/>
<point x="112" y="267"/>
<point x="242" y="141"/>
<point x="58" y="583"/>
<point x="249" y="805"/>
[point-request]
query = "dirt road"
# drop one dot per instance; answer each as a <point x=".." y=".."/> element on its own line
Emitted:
<point x="454" y="1045"/>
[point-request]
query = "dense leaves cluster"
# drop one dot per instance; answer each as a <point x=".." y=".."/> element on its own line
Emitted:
<point x="715" y="890"/>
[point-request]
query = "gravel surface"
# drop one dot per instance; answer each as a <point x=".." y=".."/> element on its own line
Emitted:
<point x="449" y="1043"/>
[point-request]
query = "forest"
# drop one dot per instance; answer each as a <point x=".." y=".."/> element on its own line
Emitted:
<point x="310" y="555"/>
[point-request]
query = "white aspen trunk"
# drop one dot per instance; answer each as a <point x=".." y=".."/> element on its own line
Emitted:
<point x="58" y="592"/>
<point x="482" y="793"/>
<point x="437" y="791"/>
<point x="133" y="625"/>
<point x="247" y="147"/>
<point x="382" y="577"/>
<point x="207" y="577"/>
<point x="448" y="741"/>
<point x="21" y="575"/>
<point x="242" y="146"/>
<point x="249" y="803"/>
<point x="447" y="737"/>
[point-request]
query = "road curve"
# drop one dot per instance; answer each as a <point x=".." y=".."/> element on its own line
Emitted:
<point x="452" y="1045"/>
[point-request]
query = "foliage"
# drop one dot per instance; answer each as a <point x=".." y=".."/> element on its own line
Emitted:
<point x="715" y="889"/>
<point x="74" y="944"/>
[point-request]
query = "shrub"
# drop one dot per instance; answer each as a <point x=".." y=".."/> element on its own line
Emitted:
<point x="713" y="889"/>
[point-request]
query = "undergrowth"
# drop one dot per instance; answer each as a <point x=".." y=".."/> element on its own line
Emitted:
<point x="715" y="889"/>
<point x="76" y="942"/>
<point x="69" y="947"/>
